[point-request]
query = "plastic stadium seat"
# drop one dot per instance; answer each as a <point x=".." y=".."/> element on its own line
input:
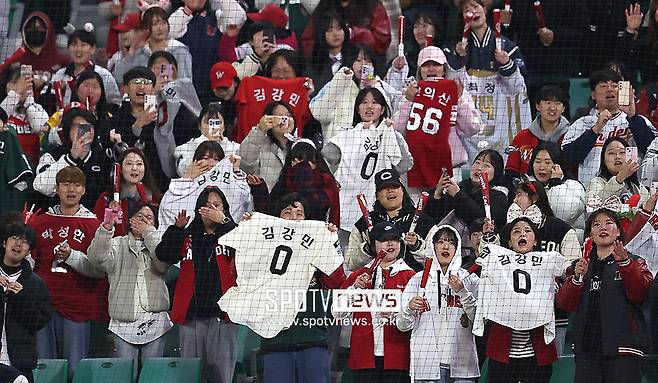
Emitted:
<point x="484" y="371"/>
<point x="171" y="370"/>
<point x="51" y="371"/>
<point x="104" y="370"/>
<point x="564" y="370"/>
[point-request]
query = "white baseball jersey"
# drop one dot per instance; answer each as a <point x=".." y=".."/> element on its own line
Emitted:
<point x="517" y="290"/>
<point x="645" y="243"/>
<point x="183" y="193"/>
<point x="364" y="152"/>
<point x="276" y="258"/>
<point x="615" y="127"/>
<point x="503" y="104"/>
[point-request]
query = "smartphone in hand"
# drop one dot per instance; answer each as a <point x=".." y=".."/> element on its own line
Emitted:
<point x="624" y="93"/>
<point x="631" y="153"/>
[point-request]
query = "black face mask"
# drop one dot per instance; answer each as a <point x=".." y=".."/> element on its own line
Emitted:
<point x="34" y="38"/>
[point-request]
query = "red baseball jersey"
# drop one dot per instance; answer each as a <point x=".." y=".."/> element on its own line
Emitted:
<point x="432" y="115"/>
<point x="73" y="295"/>
<point x="255" y="92"/>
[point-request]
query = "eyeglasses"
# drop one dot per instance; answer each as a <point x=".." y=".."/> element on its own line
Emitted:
<point x="19" y="239"/>
<point x="141" y="81"/>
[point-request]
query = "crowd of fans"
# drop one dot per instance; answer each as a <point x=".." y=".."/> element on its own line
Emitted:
<point x="123" y="164"/>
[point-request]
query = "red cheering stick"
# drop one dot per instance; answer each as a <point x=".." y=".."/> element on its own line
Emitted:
<point x="588" y="245"/>
<point x="467" y="27"/>
<point x="484" y="185"/>
<point x="401" y="36"/>
<point x="422" y="201"/>
<point x="499" y="39"/>
<point x="376" y="262"/>
<point x="363" y="204"/>
<point x="90" y="104"/>
<point x="428" y="40"/>
<point x="423" y="283"/>
<point x="59" y="94"/>
<point x="117" y="181"/>
<point x="539" y="10"/>
<point x="508" y="8"/>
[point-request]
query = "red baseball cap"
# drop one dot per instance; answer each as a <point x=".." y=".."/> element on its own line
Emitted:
<point x="132" y="21"/>
<point x="272" y="13"/>
<point x="222" y="74"/>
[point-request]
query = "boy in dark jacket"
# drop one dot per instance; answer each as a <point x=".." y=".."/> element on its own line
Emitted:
<point x="25" y="303"/>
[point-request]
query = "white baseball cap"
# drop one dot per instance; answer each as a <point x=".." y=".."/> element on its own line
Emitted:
<point x="431" y="53"/>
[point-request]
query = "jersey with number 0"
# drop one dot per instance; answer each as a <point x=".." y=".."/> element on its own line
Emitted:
<point x="503" y="105"/>
<point x="275" y="259"/>
<point x="517" y="290"/>
<point x="432" y="115"/>
<point x="363" y="152"/>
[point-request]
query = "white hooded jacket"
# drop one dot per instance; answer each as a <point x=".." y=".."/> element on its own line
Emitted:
<point x="438" y="336"/>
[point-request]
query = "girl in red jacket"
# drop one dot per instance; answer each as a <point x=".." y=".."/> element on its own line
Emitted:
<point x="379" y="351"/>
<point x="606" y="289"/>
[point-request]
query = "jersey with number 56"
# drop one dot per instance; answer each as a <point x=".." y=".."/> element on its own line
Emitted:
<point x="275" y="260"/>
<point x="432" y="115"/>
<point x="517" y="290"/>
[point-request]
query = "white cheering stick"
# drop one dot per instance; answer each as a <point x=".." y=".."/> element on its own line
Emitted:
<point x="484" y="185"/>
<point x="363" y="204"/>
<point x="401" y="36"/>
<point x="467" y="28"/>
<point x="499" y="39"/>
<point x="422" y="201"/>
<point x="117" y="181"/>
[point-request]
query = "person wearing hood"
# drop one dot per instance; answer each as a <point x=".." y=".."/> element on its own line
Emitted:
<point x="207" y="270"/>
<point x="549" y="125"/>
<point x="82" y="47"/>
<point x="380" y="352"/>
<point x="39" y="49"/>
<point x="392" y="205"/>
<point x="26" y="305"/>
<point x="155" y="22"/>
<point x="440" y="315"/>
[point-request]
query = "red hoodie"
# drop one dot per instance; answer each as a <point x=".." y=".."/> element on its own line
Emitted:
<point x="49" y="59"/>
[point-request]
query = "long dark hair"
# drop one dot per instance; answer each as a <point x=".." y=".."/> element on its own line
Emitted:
<point x="496" y="160"/>
<point x="603" y="170"/>
<point x="506" y="231"/>
<point x="379" y="99"/>
<point x="101" y="105"/>
<point x="320" y="54"/>
<point x="196" y="226"/>
<point x="135" y="208"/>
<point x="536" y="191"/>
<point x="357" y="12"/>
<point x="291" y="57"/>
<point x="269" y="110"/>
<point x="610" y="214"/>
<point x="304" y="152"/>
<point x="553" y="151"/>
<point x="148" y="181"/>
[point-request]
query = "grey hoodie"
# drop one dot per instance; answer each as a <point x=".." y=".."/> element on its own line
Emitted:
<point x="561" y="129"/>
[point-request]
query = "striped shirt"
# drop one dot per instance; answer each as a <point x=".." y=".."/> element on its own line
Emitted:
<point x="521" y="347"/>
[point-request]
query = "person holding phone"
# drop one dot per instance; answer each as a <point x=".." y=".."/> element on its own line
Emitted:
<point x="137" y="126"/>
<point x="211" y="126"/>
<point x="617" y="174"/>
<point x="79" y="148"/>
<point x="582" y="142"/>
<point x="154" y="21"/>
